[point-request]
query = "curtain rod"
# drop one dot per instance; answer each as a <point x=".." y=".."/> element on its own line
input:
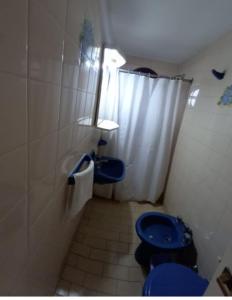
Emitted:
<point x="177" y="77"/>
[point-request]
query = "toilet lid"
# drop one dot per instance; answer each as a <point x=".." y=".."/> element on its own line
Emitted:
<point x="172" y="279"/>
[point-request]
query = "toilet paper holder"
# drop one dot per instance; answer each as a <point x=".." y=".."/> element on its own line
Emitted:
<point x="85" y="158"/>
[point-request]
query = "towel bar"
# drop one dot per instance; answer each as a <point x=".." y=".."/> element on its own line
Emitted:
<point x="84" y="158"/>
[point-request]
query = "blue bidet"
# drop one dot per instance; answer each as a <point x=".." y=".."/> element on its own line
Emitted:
<point x="164" y="238"/>
<point x="162" y="231"/>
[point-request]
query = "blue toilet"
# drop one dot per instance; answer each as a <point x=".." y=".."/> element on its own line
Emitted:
<point x="171" y="279"/>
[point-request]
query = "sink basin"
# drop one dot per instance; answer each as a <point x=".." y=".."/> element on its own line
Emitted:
<point x="108" y="170"/>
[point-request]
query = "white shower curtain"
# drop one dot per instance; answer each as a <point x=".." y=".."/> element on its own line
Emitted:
<point x="149" y="112"/>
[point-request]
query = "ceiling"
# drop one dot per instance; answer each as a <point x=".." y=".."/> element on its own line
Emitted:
<point x="168" y="30"/>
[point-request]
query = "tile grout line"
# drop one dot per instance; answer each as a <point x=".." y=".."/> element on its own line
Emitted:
<point x="28" y="127"/>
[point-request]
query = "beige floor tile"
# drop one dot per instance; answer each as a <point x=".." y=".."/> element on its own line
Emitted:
<point x="133" y="247"/>
<point x="136" y="215"/>
<point x="129" y="238"/>
<point x="91" y="293"/>
<point x="108" y="235"/>
<point x="95" y="242"/>
<point x="104" y="256"/>
<point x="79" y="237"/>
<point x="128" y="208"/>
<point x="109" y="224"/>
<point x="145" y="207"/>
<point x="89" y="265"/>
<point x="136" y="274"/>
<point x="125" y="288"/>
<point x="130" y="230"/>
<point x="71" y="260"/>
<point x="110" y="219"/>
<point x="101" y="259"/>
<point x="83" y="223"/>
<point x="97" y="233"/>
<point x="100" y="284"/>
<point x="117" y="247"/>
<point x="76" y="291"/>
<point x="73" y="275"/>
<point x="116" y="271"/>
<point x="80" y="249"/>
<point x="125" y="228"/>
<point x="107" y="210"/>
<point x="62" y="288"/>
<point x="127" y="260"/>
<point x="80" y="291"/>
<point x="102" y="225"/>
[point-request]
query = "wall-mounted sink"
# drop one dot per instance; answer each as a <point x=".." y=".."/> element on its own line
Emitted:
<point x="108" y="170"/>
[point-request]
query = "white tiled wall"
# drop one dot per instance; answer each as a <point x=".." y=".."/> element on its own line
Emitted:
<point x="40" y="139"/>
<point x="200" y="184"/>
<point x="214" y="288"/>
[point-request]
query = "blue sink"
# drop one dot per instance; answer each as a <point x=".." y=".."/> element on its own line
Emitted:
<point x="108" y="170"/>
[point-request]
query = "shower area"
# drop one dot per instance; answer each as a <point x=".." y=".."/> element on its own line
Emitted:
<point x="148" y="110"/>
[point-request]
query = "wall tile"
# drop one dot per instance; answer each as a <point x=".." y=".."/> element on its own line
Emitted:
<point x="54" y="225"/>
<point x="13" y="236"/>
<point x="13" y="108"/>
<point x="65" y="141"/>
<point x="93" y="76"/>
<point x="45" y="45"/>
<point x="77" y="135"/>
<point x="84" y="76"/>
<point x="199" y="187"/>
<point x="90" y="100"/>
<point x="71" y="63"/>
<point x="37" y="115"/>
<point x="67" y="107"/>
<point x="12" y="179"/>
<point x="57" y="8"/>
<point x="40" y="195"/>
<point x="75" y="16"/>
<point x="44" y="100"/>
<point x="92" y="13"/>
<point x="13" y="32"/>
<point x="64" y="167"/>
<point x="42" y="157"/>
<point x="81" y="103"/>
<point x="43" y="268"/>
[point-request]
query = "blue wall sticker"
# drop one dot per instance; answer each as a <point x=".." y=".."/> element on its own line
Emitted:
<point x="226" y="98"/>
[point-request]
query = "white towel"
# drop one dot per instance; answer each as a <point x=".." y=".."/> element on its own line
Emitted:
<point x="83" y="189"/>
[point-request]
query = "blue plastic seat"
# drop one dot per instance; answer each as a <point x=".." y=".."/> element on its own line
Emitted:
<point x="172" y="279"/>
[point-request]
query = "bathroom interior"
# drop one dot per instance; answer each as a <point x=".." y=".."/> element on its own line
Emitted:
<point x="116" y="147"/>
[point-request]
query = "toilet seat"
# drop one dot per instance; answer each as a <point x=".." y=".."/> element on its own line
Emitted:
<point x="172" y="279"/>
